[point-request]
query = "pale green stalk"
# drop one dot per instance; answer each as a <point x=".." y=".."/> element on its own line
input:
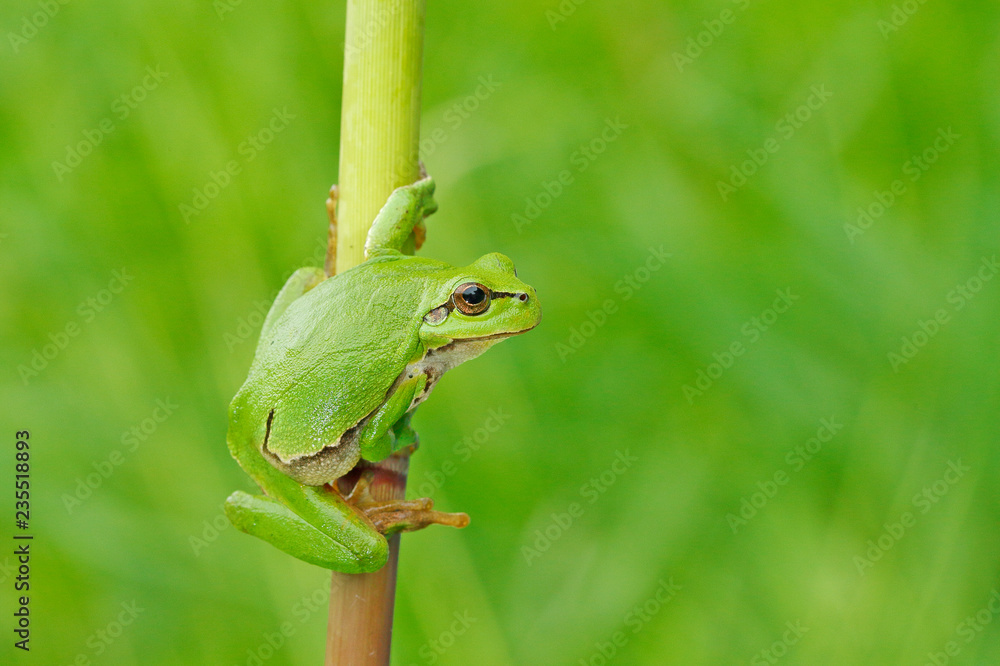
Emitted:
<point x="380" y="122"/>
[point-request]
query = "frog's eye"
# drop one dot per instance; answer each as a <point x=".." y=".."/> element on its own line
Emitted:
<point x="471" y="298"/>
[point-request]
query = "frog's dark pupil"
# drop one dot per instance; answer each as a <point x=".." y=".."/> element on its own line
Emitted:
<point x="474" y="295"/>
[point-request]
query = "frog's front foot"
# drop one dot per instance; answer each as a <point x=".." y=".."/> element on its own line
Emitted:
<point x="391" y="516"/>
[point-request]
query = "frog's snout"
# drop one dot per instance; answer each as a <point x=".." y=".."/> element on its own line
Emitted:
<point x="527" y="302"/>
<point x="526" y="297"/>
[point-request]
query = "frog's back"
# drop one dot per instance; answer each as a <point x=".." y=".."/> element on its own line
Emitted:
<point x="333" y="356"/>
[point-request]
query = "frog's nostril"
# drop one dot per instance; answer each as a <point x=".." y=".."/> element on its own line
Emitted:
<point x="522" y="297"/>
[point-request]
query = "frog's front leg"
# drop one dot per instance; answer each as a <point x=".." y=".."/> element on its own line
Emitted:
<point x="402" y="215"/>
<point x="379" y="438"/>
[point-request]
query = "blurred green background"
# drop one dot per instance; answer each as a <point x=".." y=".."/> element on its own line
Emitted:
<point x="638" y="111"/>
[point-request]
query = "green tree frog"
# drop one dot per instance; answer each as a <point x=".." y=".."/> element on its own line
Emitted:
<point x="341" y="364"/>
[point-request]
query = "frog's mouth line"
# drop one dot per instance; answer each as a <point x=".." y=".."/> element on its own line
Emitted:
<point x="493" y="336"/>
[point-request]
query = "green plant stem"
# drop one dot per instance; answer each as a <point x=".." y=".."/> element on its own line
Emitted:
<point x="379" y="143"/>
<point x="380" y="123"/>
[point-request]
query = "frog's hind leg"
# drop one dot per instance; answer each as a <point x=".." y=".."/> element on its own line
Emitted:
<point x="275" y="523"/>
<point x="299" y="283"/>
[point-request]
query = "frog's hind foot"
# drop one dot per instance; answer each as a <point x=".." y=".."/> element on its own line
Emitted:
<point x="391" y="516"/>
